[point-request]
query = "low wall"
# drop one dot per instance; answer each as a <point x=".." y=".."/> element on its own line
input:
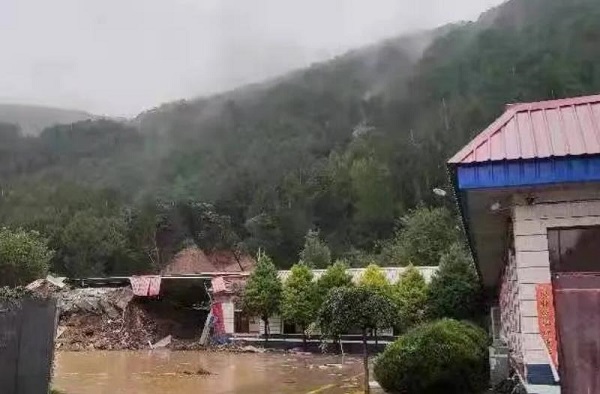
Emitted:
<point x="27" y="330"/>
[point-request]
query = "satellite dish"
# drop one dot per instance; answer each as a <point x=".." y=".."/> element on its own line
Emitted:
<point x="440" y="192"/>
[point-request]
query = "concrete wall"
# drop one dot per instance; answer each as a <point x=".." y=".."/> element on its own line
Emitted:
<point x="275" y="325"/>
<point x="228" y="316"/>
<point x="531" y="222"/>
<point x="255" y="325"/>
<point x="27" y="332"/>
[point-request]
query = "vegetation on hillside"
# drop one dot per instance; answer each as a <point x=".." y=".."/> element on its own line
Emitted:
<point x="345" y="148"/>
<point x="24" y="257"/>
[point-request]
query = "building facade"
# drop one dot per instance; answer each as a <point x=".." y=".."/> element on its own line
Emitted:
<point x="238" y="323"/>
<point x="528" y="189"/>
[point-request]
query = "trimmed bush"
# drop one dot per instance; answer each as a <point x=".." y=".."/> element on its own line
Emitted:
<point x="445" y="356"/>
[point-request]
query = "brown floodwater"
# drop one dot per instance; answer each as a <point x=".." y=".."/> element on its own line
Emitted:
<point x="144" y="372"/>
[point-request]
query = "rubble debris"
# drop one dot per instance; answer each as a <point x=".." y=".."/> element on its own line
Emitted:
<point x="252" y="349"/>
<point x="59" y="331"/>
<point x="103" y="319"/>
<point x="200" y="371"/>
<point x="95" y="300"/>
<point x="46" y="287"/>
<point x="166" y="341"/>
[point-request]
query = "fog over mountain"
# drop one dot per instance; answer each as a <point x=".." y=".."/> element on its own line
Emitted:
<point x="114" y="57"/>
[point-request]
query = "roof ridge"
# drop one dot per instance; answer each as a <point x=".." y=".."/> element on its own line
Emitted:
<point x="477" y="151"/>
<point x="555" y="103"/>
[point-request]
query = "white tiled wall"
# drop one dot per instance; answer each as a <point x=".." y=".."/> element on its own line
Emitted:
<point x="275" y="325"/>
<point x="228" y="317"/>
<point x="553" y="209"/>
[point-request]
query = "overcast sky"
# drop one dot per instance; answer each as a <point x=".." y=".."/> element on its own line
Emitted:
<point x="119" y="57"/>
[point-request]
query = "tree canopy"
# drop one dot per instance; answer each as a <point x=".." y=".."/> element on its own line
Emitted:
<point x="356" y="307"/>
<point x="455" y="291"/>
<point x="315" y="253"/>
<point x="24" y="257"/>
<point x="425" y="235"/>
<point x="262" y="294"/>
<point x="300" y="301"/>
<point x="411" y="295"/>
<point x="374" y="279"/>
<point x="335" y="276"/>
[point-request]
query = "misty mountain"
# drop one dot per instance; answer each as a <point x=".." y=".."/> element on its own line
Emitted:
<point x="33" y="119"/>
<point x="347" y="146"/>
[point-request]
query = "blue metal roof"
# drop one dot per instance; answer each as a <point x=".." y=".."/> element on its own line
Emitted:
<point x="528" y="172"/>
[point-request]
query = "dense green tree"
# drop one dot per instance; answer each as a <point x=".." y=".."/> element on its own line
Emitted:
<point x="335" y="276"/>
<point x="262" y="294"/>
<point x="315" y="253"/>
<point x="425" y="235"/>
<point x="89" y="243"/>
<point x="24" y="257"/>
<point x="410" y="295"/>
<point x="300" y="300"/>
<point x="455" y="290"/>
<point x="371" y="182"/>
<point x="356" y="307"/>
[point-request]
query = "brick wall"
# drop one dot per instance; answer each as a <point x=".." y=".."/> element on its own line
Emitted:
<point x="509" y="309"/>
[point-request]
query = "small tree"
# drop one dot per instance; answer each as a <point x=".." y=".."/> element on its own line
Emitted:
<point x="410" y="294"/>
<point x="356" y="307"/>
<point x="315" y="253"/>
<point x="24" y="257"/>
<point x="262" y="294"/>
<point x="300" y="299"/>
<point x="455" y="290"/>
<point x="374" y="279"/>
<point x="335" y="276"/>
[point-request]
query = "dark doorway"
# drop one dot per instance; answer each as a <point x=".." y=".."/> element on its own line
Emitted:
<point x="575" y="263"/>
<point x="241" y="323"/>
<point x="290" y="328"/>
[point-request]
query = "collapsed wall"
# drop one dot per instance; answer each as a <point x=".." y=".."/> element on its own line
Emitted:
<point x="101" y="318"/>
<point x="113" y="319"/>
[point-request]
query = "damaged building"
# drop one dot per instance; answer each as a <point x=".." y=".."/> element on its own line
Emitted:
<point x="195" y="289"/>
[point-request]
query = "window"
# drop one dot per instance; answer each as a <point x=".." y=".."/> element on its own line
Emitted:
<point x="574" y="249"/>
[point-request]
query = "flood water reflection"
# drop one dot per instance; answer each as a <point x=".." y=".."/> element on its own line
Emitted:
<point x="144" y="372"/>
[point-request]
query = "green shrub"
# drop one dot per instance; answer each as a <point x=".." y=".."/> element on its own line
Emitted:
<point x="445" y="356"/>
<point x="455" y="291"/>
<point x="24" y="257"/>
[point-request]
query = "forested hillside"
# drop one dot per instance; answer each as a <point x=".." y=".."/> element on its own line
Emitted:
<point x="346" y="147"/>
<point x="33" y="119"/>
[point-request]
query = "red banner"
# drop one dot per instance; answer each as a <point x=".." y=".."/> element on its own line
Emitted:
<point x="145" y="285"/>
<point x="547" y="319"/>
<point x="219" y="322"/>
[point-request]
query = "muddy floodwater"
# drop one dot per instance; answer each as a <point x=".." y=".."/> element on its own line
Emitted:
<point x="167" y="372"/>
